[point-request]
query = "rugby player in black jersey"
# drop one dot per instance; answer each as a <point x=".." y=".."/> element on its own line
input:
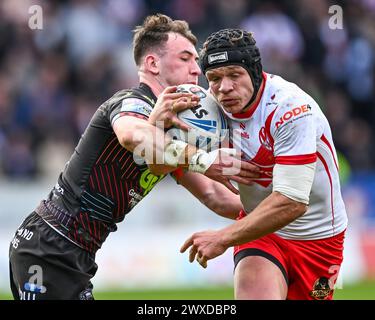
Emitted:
<point x="52" y="255"/>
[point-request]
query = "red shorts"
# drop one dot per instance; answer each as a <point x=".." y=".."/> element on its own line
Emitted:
<point x="310" y="267"/>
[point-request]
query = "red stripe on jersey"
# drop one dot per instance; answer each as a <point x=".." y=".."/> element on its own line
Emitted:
<point x="132" y="166"/>
<point x="131" y="172"/>
<point x="117" y="194"/>
<point x="126" y="162"/>
<point x="113" y="139"/>
<point x="97" y="180"/>
<point x="120" y="149"/>
<point x="75" y="231"/>
<point x="267" y="128"/>
<point x="331" y="185"/>
<point x="110" y="182"/>
<point x="113" y="149"/>
<point x="91" y="183"/>
<point x="325" y="140"/>
<point x="300" y="159"/>
<point x="88" y="222"/>
<point x="104" y="181"/>
<point x="251" y="111"/>
<point x="122" y="197"/>
<point x="123" y="154"/>
<point x="88" y="226"/>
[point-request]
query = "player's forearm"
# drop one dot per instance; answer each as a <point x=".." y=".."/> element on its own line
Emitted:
<point x="272" y="214"/>
<point x="212" y="194"/>
<point x="148" y="142"/>
<point x="143" y="139"/>
<point x="223" y="202"/>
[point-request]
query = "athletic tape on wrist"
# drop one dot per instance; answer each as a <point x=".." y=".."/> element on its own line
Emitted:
<point x="173" y="151"/>
<point x="202" y="160"/>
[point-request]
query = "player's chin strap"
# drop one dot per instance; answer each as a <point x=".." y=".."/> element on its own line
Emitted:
<point x="174" y="154"/>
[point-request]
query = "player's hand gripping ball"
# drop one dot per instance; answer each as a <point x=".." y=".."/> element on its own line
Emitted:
<point x="207" y="121"/>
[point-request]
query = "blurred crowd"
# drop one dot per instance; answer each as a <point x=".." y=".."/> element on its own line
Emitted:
<point x="52" y="80"/>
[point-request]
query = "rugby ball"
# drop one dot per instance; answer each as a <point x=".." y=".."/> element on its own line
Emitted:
<point x="207" y="121"/>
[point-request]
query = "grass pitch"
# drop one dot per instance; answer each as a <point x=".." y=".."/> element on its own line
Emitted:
<point x="360" y="291"/>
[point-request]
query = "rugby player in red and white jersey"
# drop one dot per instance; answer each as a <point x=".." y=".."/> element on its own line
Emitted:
<point x="288" y="241"/>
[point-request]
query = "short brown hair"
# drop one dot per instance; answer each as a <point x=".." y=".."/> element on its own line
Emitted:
<point x="153" y="34"/>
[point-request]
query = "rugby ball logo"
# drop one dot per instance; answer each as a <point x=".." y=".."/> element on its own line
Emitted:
<point x="207" y="122"/>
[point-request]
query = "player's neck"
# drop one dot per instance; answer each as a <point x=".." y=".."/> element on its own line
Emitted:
<point x="153" y="82"/>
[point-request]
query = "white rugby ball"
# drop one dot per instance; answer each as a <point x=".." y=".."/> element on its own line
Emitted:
<point x="207" y="121"/>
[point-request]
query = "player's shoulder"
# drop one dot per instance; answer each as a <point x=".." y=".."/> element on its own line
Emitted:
<point x="136" y="100"/>
<point x="292" y="105"/>
<point x="142" y="92"/>
<point x="284" y="93"/>
<point x="132" y="95"/>
<point x="287" y="95"/>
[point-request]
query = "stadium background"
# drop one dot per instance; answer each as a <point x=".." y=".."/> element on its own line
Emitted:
<point x="52" y="80"/>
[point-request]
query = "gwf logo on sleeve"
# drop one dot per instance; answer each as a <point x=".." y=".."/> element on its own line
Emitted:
<point x="136" y="105"/>
<point x="217" y="57"/>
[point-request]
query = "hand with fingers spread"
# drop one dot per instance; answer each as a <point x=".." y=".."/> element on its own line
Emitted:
<point x="169" y="104"/>
<point x="226" y="166"/>
<point x="204" y="246"/>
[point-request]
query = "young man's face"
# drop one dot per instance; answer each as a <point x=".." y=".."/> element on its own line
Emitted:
<point x="179" y="64"/>
<point x="232" y="87"/>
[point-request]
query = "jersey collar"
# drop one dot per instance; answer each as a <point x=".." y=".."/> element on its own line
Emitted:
<point x="146" y="88"/>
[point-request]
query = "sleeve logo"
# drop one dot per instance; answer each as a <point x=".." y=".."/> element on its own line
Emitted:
<point x="136" y="105"/>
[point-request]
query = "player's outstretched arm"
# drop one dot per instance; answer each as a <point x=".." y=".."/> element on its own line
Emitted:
<point x="164" y="155"/>
<point x="140" y="137"/>
<point x="151" y="143"/>
<point x="288" y="201"/>
<point x="272" y="214"/>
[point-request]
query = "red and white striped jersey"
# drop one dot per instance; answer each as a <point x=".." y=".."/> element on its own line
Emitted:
<point x="288" y="127"/>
